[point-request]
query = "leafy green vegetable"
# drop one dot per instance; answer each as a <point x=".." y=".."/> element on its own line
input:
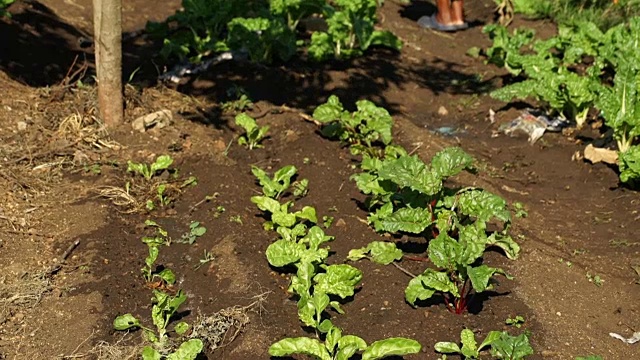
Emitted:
<point x="3" y="5"/>
<point x="361" y="129"/>
<point x="350" y="31"/>
<point x="276" y="186"/>
<point x="470" y="348"/>
<point x="295" y="10"/>
<point x="148" y="171"/>
<point x="629" y="163"/>
<point x="511" y="347"/>
<point x="254" y="134"/>
<point x="195" y="231"/>
<point x="380" y="252"/>
<point x="280" y="215"/>
<point x="342" y="347"/>
<point x="264" y="38"/>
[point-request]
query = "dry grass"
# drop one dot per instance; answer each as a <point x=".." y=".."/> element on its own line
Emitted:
<point x="24" y="292"/>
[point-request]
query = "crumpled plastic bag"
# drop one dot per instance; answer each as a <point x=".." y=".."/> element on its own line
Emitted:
<point x="534" y="124"/>
<point x="632" y="340"/>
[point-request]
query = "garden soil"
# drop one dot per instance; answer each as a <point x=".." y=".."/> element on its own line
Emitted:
<point x="71" y="257"/>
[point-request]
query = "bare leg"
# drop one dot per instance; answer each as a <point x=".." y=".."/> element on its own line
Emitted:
<point x="457" y="12"/>
<point x="444" y="12"/>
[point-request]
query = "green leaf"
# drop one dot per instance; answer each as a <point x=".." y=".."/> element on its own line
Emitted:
<point x="283" y="252"/>
<point x="411" y="172"/>
<point x="384" y="253"/>
<point x="162" y="163"/>
<point x="491" y="337"/>
<point x="266" y="204"/>
<point x="188" y="350"/>
<point x="390" y="347"/>
<point x="481" y="275"/>
<point x="307" y="213"/>
<point x="300" y="345"/>
<point x="329" y="111"/>
<point x="450" y="162"/>
<point x="408" y="220"/>
<point x="629" y="162"/>
<point x="246" y="122"/>
<point x="199" y="231"/>
<point x="483" y="205"/>
<point x="316" y="237"/>
<point x="444" y="251"/>
<point x="469" y="345"/>
<point x="357" y="254"/>
<point x="333" y="336"/>
<point x="348" y="346"/>
<point x="149" y="353"/>
<point x="141" y="169"/>
<point x="181" y="328"/>
<point x="301" y="282"/>
<point x="510" y="347"/>
<point x="338" y="280"/>
<point x="446" y="347"/>
<point x="167" y="276"/>
<point x="417" y="291"/>
<point x="125" y="322"/>
<point x="506" y="243"/>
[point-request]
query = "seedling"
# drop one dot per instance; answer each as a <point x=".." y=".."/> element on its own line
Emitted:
<point x="240" y="102"/>
<point x="503" y="345"/>
<point x="154" y="243"/>
<point x="520" y="210"/>
<point x="327" y="221"/>
<point x="164" y="307"/>
<point x="342" y="347"/>
<point x="276" y="186"/>
<point x="195" y="231"/>
<point x="206" y="258"/>
<point x="236" y="219"/>
<point x="516" y="321"/>
<point x="596" y="280"/>
<point x="280" y="215"/>
<point x="148" y="171"/>
<point x="360" y="129"/>
<point x="301" y="188"/>
<point x="219" y="211"/>
<point x="254" y="134"/>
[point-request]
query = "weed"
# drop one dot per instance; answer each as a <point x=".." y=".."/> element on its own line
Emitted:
<point x="148" y="171"/>
<point x="241" y="101"/>
<point x="206" y="258"/>
<point x="595" y="279"/>
<point x="195" y="231"/>
<point x="254" y="134"/>
<point x="517" y="321"/>
<point x="236" y="219"/>
<point x="520" y="211"/>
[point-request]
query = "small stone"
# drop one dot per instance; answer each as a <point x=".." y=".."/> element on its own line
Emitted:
<point x="559" y="313"/>
<point x="18" y="317"/>
<point x="22" y="125"/>
<point x="385" y="303"/>
<point x="341" y="223"/>
<point x="442" y="111"/>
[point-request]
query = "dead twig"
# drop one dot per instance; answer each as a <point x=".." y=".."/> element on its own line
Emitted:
<point x="58" y="265"/>
<point x="404" y="270"/>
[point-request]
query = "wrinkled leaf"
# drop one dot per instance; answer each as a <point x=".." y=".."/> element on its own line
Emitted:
<point x="125" y="322"/>
<point x="300" y="345"/>
<point x="284" y="252"/>
<point x="390" y="347"/>
<point x="338" y="280"/>
<point x="188" y="350"/>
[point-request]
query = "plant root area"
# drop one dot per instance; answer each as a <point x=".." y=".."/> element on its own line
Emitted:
<point x="64" y="180"/>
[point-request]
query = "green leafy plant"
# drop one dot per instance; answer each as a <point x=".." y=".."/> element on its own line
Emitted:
<point x="148" y="171"/>
<point x="280" y="215"/>
<point x="263" y="38"/>
<point x="206" y="258"/>
<point x="195" y="231"/>
<point x="629" y="163"/>
<point x="153" y="244"/>
<point x="380" y="252"/>
<point x="342" y="347"/>
<point x="517" y="321"/>
<point x="590" y="357"/>
<point x="503" y="346"/>
<point x="295" y="10"/>
<point x="239" y="100"/>
<point x="254" y="134"/>
<point x="361" y="129"/>
<point x="350" y="31"/>
<point x="164" y="307"/>
<point x="277" y="185"/>
<point x="415" y="201"/>
<point x="3" y="5"/>
<point x="301" y="188"/>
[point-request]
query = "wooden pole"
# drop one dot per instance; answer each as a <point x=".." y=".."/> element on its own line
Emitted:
<point x="107" y="28"/>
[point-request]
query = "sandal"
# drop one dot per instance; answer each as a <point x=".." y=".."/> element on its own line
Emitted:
<point x="430" y="22"/>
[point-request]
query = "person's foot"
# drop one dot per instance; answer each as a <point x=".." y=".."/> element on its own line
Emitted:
<point x="431" y="22"/>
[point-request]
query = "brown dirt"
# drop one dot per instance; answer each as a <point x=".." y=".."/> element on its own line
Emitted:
<point x="580" y="221"/>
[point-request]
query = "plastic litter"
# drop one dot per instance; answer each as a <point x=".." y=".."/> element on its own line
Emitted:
<point x="534" y="124"/>
<point x="632" y="340"/>
<point x="180" y="72"/>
